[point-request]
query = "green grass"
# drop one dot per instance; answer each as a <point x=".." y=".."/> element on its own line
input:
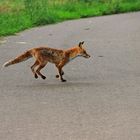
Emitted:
<point x="17" y="15"/>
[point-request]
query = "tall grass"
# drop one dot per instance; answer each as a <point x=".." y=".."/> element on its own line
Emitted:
<point x="17" y="15"/>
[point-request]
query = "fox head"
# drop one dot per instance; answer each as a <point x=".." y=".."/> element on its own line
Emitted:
<point x="82" y="51"/>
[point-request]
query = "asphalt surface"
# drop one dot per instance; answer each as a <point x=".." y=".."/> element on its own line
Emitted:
<point x="99" y="101"/>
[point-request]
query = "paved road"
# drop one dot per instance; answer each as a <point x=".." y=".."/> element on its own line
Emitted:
<point x="100" y="101"/>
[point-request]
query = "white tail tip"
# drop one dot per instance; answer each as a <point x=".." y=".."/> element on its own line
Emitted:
<point x="5" y="64"/>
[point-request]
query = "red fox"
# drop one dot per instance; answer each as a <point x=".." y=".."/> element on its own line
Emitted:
<point x="43" y="55"/>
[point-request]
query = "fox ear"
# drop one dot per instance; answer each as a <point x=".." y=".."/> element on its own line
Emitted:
<point x="81" y="43"/>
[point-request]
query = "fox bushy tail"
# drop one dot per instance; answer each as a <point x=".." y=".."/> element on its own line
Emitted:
<point x="18" y="59"/>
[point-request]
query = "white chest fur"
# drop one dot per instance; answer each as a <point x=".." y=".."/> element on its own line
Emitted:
<point x="70" y="59"/>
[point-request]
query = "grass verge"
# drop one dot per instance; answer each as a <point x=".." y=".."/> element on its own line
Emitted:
<point x="17" y="15"/>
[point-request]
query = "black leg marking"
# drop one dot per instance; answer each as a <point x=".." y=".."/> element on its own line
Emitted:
<point x="36" y="76"/>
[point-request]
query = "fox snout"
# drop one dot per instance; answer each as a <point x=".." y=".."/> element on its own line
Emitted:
<point x="87" y="56"/>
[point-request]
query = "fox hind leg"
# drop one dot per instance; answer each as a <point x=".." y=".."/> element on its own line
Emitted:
<point x="38" y="71"/>
<point x="33" y="68"/>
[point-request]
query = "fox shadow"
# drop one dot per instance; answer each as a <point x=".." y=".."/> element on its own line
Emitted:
<point x="56" y="85"/>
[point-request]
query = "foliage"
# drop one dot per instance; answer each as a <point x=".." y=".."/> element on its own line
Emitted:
<point x="17" y="15"/>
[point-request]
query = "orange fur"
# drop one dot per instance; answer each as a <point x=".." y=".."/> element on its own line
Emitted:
<point x="43" y="55"/>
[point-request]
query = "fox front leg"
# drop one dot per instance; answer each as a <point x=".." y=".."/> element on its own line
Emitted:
<point x="60" y="71"/>
<point x="60" y="74"/>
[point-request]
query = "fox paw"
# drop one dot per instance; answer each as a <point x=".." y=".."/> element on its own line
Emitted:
<point x="63" y="80"/>
<point x="43" y="77"/>
<point x="36" y="76"/>
<point x="57" y="76"/>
